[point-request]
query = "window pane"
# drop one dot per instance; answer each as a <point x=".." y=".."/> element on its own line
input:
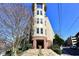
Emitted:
<point x="45" y="32"/>
<point x="41" y="21"/>
<point x="45" y="23"/>
<point x="39" y="6"/>
<point x="32" y="31"/>
<point x="37" y="20"/>
<point x="41" y="30"/>
<point x="37" y="30"/>
<point x="41" y="12"/>
<point x="37" y="12"/>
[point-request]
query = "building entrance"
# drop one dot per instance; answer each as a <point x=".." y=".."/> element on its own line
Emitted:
<point x="40" y="43"/>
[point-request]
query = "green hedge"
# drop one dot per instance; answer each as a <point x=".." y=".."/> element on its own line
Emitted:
<point x="56" y="49"/>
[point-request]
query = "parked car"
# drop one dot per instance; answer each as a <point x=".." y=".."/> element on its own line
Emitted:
<point x="73" y="47"/>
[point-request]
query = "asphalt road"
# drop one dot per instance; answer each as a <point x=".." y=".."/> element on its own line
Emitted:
<point x="70" y="51"/>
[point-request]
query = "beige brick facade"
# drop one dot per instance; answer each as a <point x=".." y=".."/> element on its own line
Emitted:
<point x="43" y="34"/>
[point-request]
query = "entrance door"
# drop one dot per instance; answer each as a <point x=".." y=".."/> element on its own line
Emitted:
<point x="40" y="43"/>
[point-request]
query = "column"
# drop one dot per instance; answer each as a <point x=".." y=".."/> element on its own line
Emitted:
<point x="45" y="44"/>
<point x="35" y="7"/>
<point x="34" y="44"/>
<point x="43" y="6"/>
<point x="43" y="10"/>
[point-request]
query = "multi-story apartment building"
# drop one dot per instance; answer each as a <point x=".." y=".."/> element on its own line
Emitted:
<point x="74" y="40"/>
<point x="42" y="34"/>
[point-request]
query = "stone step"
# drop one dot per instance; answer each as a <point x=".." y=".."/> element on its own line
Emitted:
<point x="42" y="52"/>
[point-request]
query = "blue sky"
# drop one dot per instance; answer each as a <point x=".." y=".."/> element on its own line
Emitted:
<point x="64" y="18"/>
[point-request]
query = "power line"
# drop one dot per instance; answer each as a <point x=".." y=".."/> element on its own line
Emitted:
<point x="59" y="13"/>
<point x="73" y="23"/>
<point x="76" y="19"/>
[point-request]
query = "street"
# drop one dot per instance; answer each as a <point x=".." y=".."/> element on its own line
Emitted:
<point x="70" y="52"/>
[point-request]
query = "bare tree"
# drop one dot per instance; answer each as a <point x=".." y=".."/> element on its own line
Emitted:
<point x="14" y="20"/>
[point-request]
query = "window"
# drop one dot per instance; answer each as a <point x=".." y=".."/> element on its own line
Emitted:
<point x="45" y="32"/>
<point x="37" y="20"/>
<point x="34" y="21"/>
<point x="37" y="30"/>
<point x="37" y="12"/>
<point x="39" y="6"/>
<point x="41" y="12"/>
<point x="41" y="30"/>
<point x="32" y="31"/>
<point x="45" y="23"/>
<point x="41" y="21"/>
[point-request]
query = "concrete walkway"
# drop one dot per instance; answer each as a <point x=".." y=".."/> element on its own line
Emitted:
<point x="37" y="52"/>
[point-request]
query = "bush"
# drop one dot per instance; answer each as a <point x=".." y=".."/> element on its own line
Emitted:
<point x="8" y="53"/>
<point x="29" y="46"/>
<point x="56" y="49"/>
<point x="26" y="47"/>
<point x="59" y="41"/>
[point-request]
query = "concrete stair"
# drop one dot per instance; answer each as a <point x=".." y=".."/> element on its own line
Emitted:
<point x="38" y="52"/>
